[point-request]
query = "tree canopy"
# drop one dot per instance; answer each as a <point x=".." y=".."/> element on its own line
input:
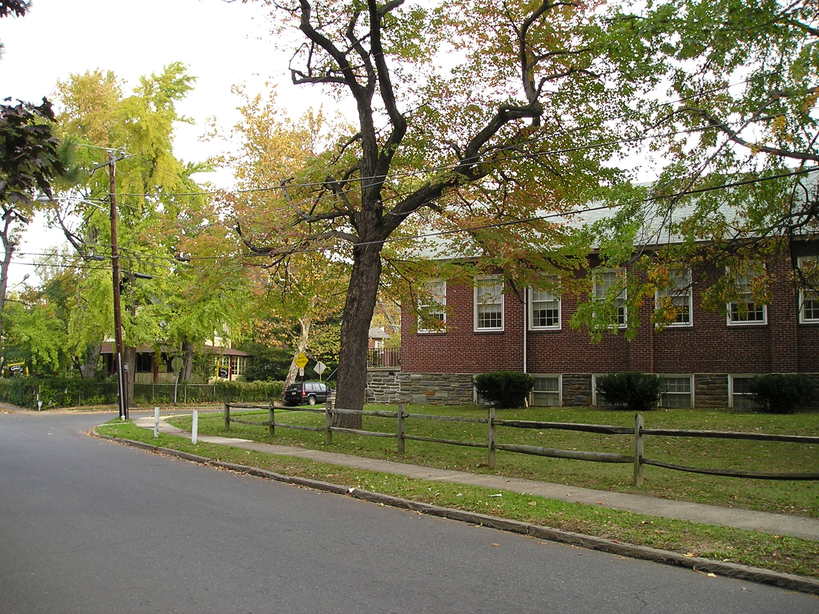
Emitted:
<point x="493" y="122"/>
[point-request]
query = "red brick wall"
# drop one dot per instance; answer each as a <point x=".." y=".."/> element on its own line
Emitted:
<point x="710" y="346"/>
<point x="460" y="350"/>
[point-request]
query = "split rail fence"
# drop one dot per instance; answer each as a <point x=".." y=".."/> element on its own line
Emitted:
<point x="638" y="432"/>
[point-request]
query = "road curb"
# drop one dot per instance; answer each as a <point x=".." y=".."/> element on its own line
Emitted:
<point x="730" y="570"/>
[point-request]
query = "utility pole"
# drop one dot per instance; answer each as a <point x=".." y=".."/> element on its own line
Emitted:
<point x="115" y="275"/>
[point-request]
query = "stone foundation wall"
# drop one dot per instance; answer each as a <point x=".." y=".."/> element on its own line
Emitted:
<point x="711" y="391"/>
<point x="421" y="388"/>
<point x="385" y="386"/>
<point x="577" y="390"/>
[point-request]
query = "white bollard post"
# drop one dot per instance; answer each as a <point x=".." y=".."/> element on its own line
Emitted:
<point x="195" y="427"/>
<point x="156" y="422"/>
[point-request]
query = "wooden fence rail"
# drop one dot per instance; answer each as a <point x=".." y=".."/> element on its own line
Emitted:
<point x="638" y="433"/>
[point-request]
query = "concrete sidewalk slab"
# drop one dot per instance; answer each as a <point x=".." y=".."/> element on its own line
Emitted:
<point x="777" y="524"/>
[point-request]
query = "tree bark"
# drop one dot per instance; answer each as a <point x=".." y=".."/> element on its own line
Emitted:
<point x="358" y="312"/>
<point x="187" y="361"/>
<point x="88" y="366"/>
<point x="8" y="251"/>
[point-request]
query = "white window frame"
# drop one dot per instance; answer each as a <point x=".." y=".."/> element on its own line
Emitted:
<point x="764" y="320"/>
<point x="674" y="292"/>
<point x="498" y="280"/>
<point x="432" y="302"/>
<point x="690" y="393"/>
<point x="559" y="389"/>
<point x="731" y="378"/>
<point x="802" y="292"/>
<point x="531" y="310"/>
<point x="624" y="294"/>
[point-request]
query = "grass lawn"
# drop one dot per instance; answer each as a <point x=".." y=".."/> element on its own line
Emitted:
<point x="780" y="553"/>
<point x="792" y="497"/>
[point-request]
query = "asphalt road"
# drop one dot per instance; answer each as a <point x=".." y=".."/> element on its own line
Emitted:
<point x="88" y="526"/>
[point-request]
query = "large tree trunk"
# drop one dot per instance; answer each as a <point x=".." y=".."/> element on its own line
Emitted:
<point x="187" y="361"/>
<point x="358" y="312"/>
<point x="301" y="346"/>
<point x="88" y="366"/>
<point x="8" y="251"/>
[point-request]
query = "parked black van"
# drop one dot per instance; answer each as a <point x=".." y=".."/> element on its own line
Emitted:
<point x="305" y="392"/>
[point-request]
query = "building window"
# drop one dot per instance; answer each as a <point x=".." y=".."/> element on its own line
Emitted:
<point x="433" y="308"/>
<point x="809" y="289"/>
<point x="237" y="364"/>
<point x="489" y="304"/>
<point x="675" y="392"/>
<point x="144" y="362"/>
<point x="546" y="391"/>
<point x="606" y="283"/>
<point x="544" y="310"/>
<point x="745" y="310"/>
<point x="739" y="392"/>
<point x="677" y="297"/>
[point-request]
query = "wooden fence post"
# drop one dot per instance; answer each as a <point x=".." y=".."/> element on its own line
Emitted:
<point x="491" y="459"/>
<point x="227" y="416"/>
<point x="328" y="420"/>
<point x="399" y="433"/>
<point x="638" y="449"/>
<point x="272" y="426"/>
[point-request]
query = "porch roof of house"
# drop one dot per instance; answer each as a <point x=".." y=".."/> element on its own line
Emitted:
<point x="108" y="348"/>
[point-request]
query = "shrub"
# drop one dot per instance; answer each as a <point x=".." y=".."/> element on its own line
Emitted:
<point x="504" y="388"/>
<point x="74" y="391"/>
<point x="632" y="391"/>
<point x="781" y="394"/>
<point x="57" y="391"/>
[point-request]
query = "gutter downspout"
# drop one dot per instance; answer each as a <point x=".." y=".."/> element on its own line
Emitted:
<point x="525" y="327"/>
<point x="525" y="336"/>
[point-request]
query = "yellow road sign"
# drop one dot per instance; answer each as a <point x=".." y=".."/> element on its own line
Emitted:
<point x="300" y="360"/>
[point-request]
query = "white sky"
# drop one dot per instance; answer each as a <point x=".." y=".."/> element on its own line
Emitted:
<point x="222" y="44"/>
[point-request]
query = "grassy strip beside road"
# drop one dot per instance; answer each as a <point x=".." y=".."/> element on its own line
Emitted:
<point x="789" y="497"/>
<point x="779" y="553"/>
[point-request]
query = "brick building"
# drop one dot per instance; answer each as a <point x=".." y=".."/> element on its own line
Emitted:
<point x="704" y="357"/>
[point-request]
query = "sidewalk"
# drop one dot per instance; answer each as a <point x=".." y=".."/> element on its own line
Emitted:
<point x="777" y="524"/>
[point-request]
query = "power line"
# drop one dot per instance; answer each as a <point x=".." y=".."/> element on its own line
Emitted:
<point x="478" y="159"/>
<point x="590" y="209"/>
<point x="514" y="222"/>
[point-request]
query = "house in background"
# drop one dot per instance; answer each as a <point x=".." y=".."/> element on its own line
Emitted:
<point x="156" y="366"/>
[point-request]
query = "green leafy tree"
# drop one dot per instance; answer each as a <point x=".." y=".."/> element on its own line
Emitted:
<point x="736" y="132"/>
<point x="171" y="290"/>
<point x="458" y="145"/>
<point x="297" y="293"/>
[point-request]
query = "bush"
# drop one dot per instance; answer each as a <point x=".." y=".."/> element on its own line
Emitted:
<point x="504" y="388"/>
<point x="782" y="394"/>
<point x="217" y="392"/>
<point x="72" y="392"/>
<point x="57" y="391"/>
<point x="632" y="391"/>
